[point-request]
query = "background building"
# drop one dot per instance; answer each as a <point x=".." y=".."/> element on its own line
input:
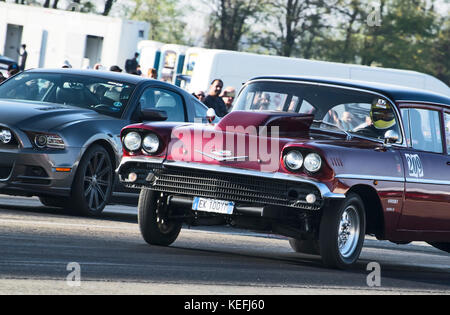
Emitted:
<point x="55" y="36"/>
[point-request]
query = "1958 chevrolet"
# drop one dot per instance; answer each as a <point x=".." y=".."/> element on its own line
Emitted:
<point x="323" y="162"/>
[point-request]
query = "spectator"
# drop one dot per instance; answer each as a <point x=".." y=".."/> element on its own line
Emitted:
<point x="152" y="73"/>
<point x="200" y="95"/>
<point x="131" y="65"/>
<point x="213" y="100"/>
<point x="23" y="57"/>
<point x="115" y="69"/>
<point x="228" y="96"/>
<point x="347" y="121"/>
<point x="13" y="69"/>
<point x="98" y="66"/>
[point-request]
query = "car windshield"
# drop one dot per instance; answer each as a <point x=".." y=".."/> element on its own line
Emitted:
<point x="102" y="95"/>
<point x="351" y="111"/>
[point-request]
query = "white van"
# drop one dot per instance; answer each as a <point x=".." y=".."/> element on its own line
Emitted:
<point x="190" y="60"/>
<point x="235" y="68"/>
<point x="171" y="63"/>
<point x="149" y="54"/>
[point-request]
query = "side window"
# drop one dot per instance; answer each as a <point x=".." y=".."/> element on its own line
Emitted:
<point x="160" y="99"/>
<point x="447" y="131"/>
<point x="405" y="118"/>
<point x="425" y="130"/>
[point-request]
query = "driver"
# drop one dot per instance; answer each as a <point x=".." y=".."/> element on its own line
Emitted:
<point x="382" y="119"/>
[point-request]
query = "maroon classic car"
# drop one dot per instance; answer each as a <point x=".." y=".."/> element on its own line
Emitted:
<point x="323" y="162"/>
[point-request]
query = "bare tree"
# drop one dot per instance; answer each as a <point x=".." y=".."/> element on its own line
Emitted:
<point x="229" y="21"/>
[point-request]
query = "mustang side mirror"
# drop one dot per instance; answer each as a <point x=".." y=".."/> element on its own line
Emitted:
<point x="153" y="115"/>
<point x="210" y="115"/>
<point x="391" y="137"/>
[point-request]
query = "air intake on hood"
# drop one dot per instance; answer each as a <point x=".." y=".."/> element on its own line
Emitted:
<point x="289" y="124"/>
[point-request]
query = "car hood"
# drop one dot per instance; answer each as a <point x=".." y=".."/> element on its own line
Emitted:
<point x="36" y="116"/>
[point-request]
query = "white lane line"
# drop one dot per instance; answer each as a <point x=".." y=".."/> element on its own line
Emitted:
<point x="58" y="224"/>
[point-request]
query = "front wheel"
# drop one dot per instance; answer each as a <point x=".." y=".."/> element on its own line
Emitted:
<point x="93" y="183"/>
<point x="310" y="247"/>
<point x="156" y="228"/>
<point x="445" y="247"/>
<point x="342" y="233"/>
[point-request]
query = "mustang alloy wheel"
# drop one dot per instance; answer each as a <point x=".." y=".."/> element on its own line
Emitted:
<point x="93" y="182"/>
<point x="342" y="233"/>
<point x="156" y="228"/>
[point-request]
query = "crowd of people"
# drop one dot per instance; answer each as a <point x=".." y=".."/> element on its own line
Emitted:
<point x="219" y="98"/>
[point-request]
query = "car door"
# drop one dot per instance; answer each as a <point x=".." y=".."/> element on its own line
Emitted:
<point x="427" y="171"/>
<point x="161" y="98"/>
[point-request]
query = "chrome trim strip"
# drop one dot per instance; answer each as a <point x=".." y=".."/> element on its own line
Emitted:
<point x="427" y="181"/>
<point x="324" y="191"/>
<point x="337" y="85"/>
<point x="140" y="159"/>
<point x="371" y="177"/>
<point x="403" y="102"/>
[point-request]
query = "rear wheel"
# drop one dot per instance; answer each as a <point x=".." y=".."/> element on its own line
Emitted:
<point x="305" y="247"/>
<point x="441" y="246"/>
<point x="93" y="183"/>
<point x="342" y="233"/>
<point x="156" y="228"/>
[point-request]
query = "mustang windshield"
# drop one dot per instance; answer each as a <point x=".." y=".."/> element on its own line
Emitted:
<point x="353" y="112"/>
<point x="105" y="96"/>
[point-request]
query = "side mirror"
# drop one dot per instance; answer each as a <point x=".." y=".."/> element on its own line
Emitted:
<point x="391" y="137"/>
<point x="210" y="115"/>
<point x="153" y="115"/>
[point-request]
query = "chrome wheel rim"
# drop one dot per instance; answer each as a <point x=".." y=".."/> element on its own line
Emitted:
<point x="97" y="181"/>
<point x="348" y="232"/>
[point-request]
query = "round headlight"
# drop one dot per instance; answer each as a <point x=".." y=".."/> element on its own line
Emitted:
<point x="40" y="141"/>
<point x="293" y="160"/>
<point x="132" y="141"/>
<point x="313" y="162"/>
<point x="151" y="143"/>
<point x="5" y="136"/>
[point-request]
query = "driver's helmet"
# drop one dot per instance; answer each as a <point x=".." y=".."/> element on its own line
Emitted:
<point x="382" y="115"/>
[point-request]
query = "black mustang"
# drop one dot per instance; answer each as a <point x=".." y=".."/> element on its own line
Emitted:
<point x="60" y="131"/>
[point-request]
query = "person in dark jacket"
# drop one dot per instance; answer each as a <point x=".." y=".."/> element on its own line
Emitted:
<point x="213" y="100"/>
<point x="131" y="65"/>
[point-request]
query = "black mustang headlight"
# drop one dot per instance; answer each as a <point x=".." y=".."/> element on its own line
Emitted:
<point x="47" y="141"/>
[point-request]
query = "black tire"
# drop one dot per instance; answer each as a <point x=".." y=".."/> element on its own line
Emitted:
<point x="309" y="247"/>
<point x="337" y="246"/>
<point x="55" y="202"/>
<point x="93" y="183"/>
<point x="153" y="230"/>
<point x="445" y="247"/>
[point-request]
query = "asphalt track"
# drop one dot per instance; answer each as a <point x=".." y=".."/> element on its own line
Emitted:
<point x="37" y="244"/>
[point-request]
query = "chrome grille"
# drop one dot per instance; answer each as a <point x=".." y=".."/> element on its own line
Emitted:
<point x="209" y="184"/>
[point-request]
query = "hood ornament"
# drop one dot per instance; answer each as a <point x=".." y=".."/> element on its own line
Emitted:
<point x="222" y="156"/>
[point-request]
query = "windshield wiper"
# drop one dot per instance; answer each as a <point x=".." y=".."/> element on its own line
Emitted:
<point x="349" y="136"/>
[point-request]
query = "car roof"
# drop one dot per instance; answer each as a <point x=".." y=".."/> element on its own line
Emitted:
<point x="394" y="92"/>
<point x="109" y="75"/>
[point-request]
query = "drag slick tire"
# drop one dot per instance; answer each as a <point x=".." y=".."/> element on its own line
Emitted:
<point x="93" y="183"/>
<point x="445" y="247"/>
<point x="342" y="233"/>
<point x="155" y="228"/>
<point x="309" y="247"/>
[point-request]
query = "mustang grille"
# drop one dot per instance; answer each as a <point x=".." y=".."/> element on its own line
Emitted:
<point x="238" y="188"/>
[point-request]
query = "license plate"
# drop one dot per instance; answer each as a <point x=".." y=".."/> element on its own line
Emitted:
<point x="212" y="205"/>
